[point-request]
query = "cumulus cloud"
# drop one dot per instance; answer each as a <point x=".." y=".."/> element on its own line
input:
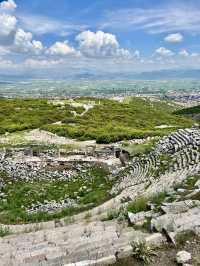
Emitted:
<point x="100" y="44"/>
<point x="12" y="37"/>
<point x="62" y="49"/>
<point x="164" y="52"/>
<point x="7" y="24"/>
<point x="174" y="38"/>
<point x="19" y="49"/>
<point x="23" y="42"/>
<point x="8" y="5"/>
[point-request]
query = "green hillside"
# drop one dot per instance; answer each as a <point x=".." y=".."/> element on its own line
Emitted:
<point x="107" y="121"/>
<point x="189" y="111"/>
<point x="113" y="121"/>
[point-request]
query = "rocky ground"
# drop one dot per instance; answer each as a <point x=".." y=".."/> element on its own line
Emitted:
<point x="152" y="217"/>
<point x="166" y="255"/>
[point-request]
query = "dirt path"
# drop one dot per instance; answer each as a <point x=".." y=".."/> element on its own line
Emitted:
<point x="43" y="136"/>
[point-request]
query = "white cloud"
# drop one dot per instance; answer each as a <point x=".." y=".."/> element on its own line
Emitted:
<point x="37" y="45"/>
<point x="8" y="5"/>
<point x="195" y="54"/>
<point x="43" y="25"/>
<point x="136" y="54"/>
<point x="12" y="37"/>
<point x="41" y="63"/>
<point x="4" y="50"/>
<point x="159" y="20"/>
<point x="174" y="38"/>
<point x="100" y="44"/>
<point x="162" y="51"/>
<point x="7" y="24"/>
<point x="100" y="51"/>
<point x="184" y="53"/>
<point x="23" y="43"/>
<point x="5" y="63"/>
<point x="61" y="48"/>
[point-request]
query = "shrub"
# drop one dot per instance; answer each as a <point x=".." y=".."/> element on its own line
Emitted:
<point x="158" y="198"/>
<point x="138" y="205"/>
<point x="143" y="252"/>
<point x="4" y="231"/>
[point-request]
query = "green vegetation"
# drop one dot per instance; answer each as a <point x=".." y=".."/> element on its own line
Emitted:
<point x="108" y="121"/>
<point x="189" y="111"/>
<point x="87" y="189"/>
<point x="138" y="205"/>
<point x="157" y="199"/>
<point x="88" y="215"/>
<point x="190" y="182"/>
<point x="4" y="231"/>
<point x="139" y="149"/>
<point x="143" y="252"/>
<point x="182" y="237"/>
<point x="119" y="214"/>
<point x="111" y="214"/>
<point x="112" y="121"/>
<point x="69" y="220"/>
<point x="21" y="114"/>
<point x="188" y="185"/>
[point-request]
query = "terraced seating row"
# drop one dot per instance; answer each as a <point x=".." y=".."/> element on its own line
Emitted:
<point x="178" y="140"/>
<point x="181" y="147"/>
<point x="137" y="172"/>
<point x="59" y="246"/>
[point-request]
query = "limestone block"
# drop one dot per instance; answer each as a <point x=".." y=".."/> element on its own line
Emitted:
<point x="183" y="257"/>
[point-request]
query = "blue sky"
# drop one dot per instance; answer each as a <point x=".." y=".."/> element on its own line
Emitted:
<point x="98" y="36"/>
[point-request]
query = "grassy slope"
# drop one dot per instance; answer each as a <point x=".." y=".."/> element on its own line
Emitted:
<point x="112" y="121"/>
<point x="189" y="111"/>
<point x="21" y="195"/>
<point x="108" y="121"/>
<point x="23" y="114"/>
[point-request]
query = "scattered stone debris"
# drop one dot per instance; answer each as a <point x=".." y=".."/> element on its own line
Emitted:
<point x="52" y="206"/>
<point x="176" y="152"/>
<point x="100" y="242"/>
<point x="183" y="257"/>
<point x="179" y="207"/>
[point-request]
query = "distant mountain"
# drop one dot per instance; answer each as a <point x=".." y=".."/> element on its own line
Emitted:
<point x="169" y="74"/>
<point x="89" y="75"/>
<point x="153" y="75"/>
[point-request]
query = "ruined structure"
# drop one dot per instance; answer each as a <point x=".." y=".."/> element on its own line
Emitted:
<point x="97" y="241"/>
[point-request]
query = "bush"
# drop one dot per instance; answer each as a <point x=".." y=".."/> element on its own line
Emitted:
<point x="143" y="252"/>
<point x="138" y="205"/>
<point x="109" y="121"/>
<point x="4" y="231"/>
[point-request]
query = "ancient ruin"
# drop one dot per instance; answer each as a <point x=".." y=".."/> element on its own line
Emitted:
<point x="100" y="239"/>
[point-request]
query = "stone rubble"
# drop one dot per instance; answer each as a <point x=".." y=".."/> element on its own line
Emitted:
<point x="52" y="206"/>
<point x="181" y="149"/>
<point x="179" y="222"/>
<point x="97" y="242"/>
<point x="183" y="257"/>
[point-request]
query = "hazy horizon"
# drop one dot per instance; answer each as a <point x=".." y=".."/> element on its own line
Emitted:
<point x="44" y="39"/>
